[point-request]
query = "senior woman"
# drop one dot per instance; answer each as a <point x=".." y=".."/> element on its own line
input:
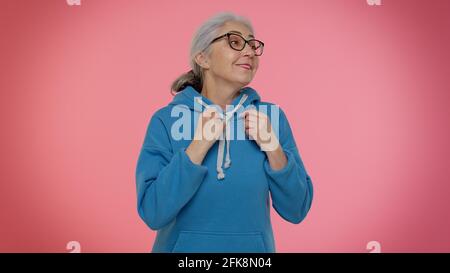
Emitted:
<point x="187" y="188"/>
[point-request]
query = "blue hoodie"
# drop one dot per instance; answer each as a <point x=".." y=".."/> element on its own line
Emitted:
<point x="216" y="207"/>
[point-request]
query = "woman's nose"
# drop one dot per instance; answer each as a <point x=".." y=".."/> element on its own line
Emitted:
<point x="248" y="51"/>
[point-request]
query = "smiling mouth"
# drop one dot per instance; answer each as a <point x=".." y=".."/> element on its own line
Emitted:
<point x="245" y="66"/>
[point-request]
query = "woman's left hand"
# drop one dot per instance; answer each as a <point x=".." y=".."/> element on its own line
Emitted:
<point x="258" y="127"/>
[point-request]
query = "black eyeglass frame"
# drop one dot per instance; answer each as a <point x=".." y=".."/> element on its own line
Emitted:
<point x="245" y="42"/>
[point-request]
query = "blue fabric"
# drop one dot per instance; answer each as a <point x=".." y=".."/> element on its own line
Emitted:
<point x="192" y="210"/>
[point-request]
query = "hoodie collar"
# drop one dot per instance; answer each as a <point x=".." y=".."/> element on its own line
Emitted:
<point x="189" y="93"/>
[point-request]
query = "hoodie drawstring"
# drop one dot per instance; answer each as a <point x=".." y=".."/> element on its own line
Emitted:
<point x="225" y="137"/>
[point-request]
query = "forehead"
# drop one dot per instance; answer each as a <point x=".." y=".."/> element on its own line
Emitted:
<point x="237" y="27"/>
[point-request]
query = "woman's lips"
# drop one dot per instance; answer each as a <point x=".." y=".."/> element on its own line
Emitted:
<point x="245" y="66"/>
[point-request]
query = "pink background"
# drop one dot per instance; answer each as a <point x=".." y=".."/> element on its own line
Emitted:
<point x="365" y="88"/>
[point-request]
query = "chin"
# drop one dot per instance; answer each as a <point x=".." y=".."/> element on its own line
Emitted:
<point x="244" y="80"/>
<point x="246" y="83"/>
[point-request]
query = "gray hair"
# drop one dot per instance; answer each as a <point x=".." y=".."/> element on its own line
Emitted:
<point x="200" y="43"/>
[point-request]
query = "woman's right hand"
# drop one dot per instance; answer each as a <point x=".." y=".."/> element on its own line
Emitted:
<point x="210" y="127"/>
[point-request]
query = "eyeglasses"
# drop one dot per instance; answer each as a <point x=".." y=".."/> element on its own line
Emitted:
<point x="237" y="42"/>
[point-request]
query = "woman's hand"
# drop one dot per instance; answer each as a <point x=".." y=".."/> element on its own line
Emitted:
<point x="210" y="127"/>
<point x="258" y="127"/>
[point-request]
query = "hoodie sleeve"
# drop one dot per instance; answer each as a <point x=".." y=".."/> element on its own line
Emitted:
<point x="166" y="180"/>
<point x="290" y="187"/>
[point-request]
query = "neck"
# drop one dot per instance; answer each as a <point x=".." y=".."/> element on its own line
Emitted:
<point x="219" y="93"/>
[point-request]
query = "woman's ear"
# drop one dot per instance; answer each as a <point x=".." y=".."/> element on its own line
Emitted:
<point x="202" y="60"/>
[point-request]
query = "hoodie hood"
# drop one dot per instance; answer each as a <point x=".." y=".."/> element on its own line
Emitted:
<point x="189" y="97"/>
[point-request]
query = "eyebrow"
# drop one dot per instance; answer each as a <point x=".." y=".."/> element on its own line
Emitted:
<point x="235" y="31"/>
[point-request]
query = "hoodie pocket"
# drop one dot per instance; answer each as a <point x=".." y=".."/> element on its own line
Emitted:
<point x="219" y="242"/>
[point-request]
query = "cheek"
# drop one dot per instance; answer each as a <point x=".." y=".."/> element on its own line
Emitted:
<point x="225" y="62"/>
<point x="230" y="57"/>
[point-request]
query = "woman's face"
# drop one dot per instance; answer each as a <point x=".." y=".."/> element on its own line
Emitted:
<point x="226" y="64"/>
